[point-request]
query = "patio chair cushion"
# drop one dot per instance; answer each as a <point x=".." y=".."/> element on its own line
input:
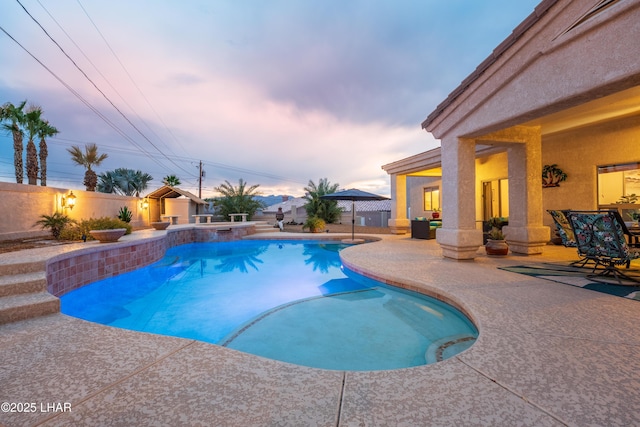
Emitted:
<point x="599" y="236"/>
<point x="564" y="228"/>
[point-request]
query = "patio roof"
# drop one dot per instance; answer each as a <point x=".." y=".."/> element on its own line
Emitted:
<point x="167" y="192"/>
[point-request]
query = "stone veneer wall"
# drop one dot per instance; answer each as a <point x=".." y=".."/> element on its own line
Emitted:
<point x="73" y="270"/>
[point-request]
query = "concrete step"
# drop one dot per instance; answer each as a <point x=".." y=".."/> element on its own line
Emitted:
<point x="27" y="306"/>
<point x="16" y="284"/>
<point x="264" y="227"/>
<point x="21" y="267"/>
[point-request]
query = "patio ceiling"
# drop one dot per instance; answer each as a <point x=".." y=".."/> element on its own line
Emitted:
<point x="617" y="105"/>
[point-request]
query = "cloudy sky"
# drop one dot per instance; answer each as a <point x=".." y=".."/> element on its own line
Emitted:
<point x="276" y="92"/>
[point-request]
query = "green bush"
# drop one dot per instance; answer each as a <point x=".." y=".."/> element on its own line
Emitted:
<point x="314" y="224"/>
<point x="82" y="228"/>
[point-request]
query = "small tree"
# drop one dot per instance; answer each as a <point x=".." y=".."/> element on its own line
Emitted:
<point x="327" y="210"/>
<point x="237" y="199"/>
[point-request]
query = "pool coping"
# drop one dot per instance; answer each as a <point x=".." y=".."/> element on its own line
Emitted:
<point x="547" y="354"/>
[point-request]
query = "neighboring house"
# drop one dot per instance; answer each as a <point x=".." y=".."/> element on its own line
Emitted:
<point x="563" y="89"/>
<point x="370" y="213"/>
<point x="293" y="208"/>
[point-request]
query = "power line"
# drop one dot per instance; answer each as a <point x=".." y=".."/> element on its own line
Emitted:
<point x="100" y="91"/>
<point x="131" y="79"/>
<point x="103" y="76"/>
<point x="77" y="95"/>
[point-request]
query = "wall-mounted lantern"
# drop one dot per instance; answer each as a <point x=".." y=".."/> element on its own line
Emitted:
<point x="144" y="203"/>
<point x="69" y="201"/>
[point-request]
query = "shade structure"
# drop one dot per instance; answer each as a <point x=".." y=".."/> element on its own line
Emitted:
<point x="354" y="195"/>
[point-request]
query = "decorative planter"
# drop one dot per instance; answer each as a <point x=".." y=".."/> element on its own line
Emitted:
<point x="106" y="236"/>
<point x="435" y="215"/>
<point x="496" y="247"/>
<point x="160" y="225"/>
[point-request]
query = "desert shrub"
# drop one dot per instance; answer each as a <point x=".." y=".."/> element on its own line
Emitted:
<point x="82" y="228"/>
<point x="314" y="224"/>
<point x="124" y="214"/>
<point x="56" y="222"/>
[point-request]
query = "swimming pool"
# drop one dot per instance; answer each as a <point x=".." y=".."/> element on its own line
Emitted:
<point x="286" y="300"/>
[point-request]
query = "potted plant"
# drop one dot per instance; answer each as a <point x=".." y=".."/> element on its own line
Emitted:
<point x="435" y="214"/>
<point x="56" y="223"/>
<point x="314" y="224"/>
<point x="496" y="243"/>
<point x="106" y="229"/>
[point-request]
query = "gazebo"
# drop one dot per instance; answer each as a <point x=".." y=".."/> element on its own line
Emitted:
<point x="173" y="201"/>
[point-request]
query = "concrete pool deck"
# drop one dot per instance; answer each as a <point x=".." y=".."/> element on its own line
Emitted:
<point x="548" y="354"/>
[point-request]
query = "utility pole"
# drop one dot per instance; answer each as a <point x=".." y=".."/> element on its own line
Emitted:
<point x="200" y="181"/>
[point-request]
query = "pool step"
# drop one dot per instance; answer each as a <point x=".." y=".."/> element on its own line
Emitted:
<point x="23" y="292"/>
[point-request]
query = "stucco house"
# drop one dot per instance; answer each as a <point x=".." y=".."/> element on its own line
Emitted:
<point x="373" y="213"/>
<point x="563" y="89"/>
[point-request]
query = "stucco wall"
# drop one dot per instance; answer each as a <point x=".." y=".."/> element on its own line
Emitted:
<point x="415" y="199"/>
<point x="579" y="152"/>
<point x="22" y="205"/>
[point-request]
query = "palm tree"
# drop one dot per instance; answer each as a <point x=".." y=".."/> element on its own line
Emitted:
<point x="107" y="182"/>
<point x="45" y="131"/>
<point x="12" y="119"/>
<point x="237" y="199"/>
<point x="171" y="181"/>
<point x="87" y="159"/>
<point x="130" y="182"/>
<point x="32" y="123"/>
<point x="316" y="207"/>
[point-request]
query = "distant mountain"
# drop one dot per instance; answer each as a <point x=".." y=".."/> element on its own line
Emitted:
<point x="270" y="200"/>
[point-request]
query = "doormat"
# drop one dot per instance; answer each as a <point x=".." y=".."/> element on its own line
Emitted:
<point x="577" y="277"/>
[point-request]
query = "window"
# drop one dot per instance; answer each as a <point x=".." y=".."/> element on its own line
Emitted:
<point x="618" y="181"/>
<point x="431" y="198"/>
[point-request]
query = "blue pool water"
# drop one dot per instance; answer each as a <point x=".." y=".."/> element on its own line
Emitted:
<point x="285" y="300"/>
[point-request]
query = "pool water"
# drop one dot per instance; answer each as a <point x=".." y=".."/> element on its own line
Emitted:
<point x="285" y="300"/>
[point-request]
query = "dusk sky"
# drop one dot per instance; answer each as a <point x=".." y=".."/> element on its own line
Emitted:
<point x="273" y="92"/>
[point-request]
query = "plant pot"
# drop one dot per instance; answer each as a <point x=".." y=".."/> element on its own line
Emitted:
<point x="162" y="225"/>
<point x="106" y="236"/>
<point x="435" y="215"/>
<point x="496" y="247"/>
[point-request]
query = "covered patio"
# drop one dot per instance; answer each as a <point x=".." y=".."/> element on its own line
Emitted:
<point x="563" y="89"/>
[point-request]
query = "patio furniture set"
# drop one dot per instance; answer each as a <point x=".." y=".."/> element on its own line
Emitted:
<point x="601" y="238"/>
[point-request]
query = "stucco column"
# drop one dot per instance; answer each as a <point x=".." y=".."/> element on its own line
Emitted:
<point x="399" y="224"/>
<point x="458" y="236"/>
<point x="525" y="233"/>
